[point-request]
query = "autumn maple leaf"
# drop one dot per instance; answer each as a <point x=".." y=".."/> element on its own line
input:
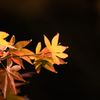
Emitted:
<point x="13" y="96"/>
<point x="7" y="77"/>
<point x="55" y="49"/>
<point x="43" y="59"/>
<point x="20" y="51"/>
<point x="4" y="43"/>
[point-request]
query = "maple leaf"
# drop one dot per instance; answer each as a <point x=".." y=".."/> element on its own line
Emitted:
<point x="48" y="56"/>
<point x="55" y="49"/>
<point x="7" y="77"/>
<point x="20" y="52"/>
<point x="42" y="59"/>
<point x="13" y="96"/>
<point x="4" y="43"/>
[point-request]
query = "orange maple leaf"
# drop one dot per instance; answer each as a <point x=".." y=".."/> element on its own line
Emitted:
<point x="20" y="51"/>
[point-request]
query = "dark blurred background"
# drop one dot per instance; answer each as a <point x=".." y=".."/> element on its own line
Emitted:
<point x="78" y="22"/>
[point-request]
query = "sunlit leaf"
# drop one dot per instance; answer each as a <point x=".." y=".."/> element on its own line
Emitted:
<point x="55" y="48"/>
<point x="21" y="52"/>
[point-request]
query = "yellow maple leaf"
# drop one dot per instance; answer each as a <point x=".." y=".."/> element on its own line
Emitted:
<point x="55" y="49"/>
<point x="2" y="41"/>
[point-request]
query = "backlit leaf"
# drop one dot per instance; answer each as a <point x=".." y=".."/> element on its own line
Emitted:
<point x="55" y="48"/>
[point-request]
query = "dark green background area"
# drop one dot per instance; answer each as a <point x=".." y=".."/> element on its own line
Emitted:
<point x="78" y="22"/>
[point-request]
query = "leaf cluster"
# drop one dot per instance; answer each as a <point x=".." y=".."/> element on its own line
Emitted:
<point x="11" y="51"/>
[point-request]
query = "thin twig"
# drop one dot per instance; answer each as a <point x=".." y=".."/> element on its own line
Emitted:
<point x="8" y="56"/>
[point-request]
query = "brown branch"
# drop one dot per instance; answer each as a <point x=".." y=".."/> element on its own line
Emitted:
<point x="9" y="56"/>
